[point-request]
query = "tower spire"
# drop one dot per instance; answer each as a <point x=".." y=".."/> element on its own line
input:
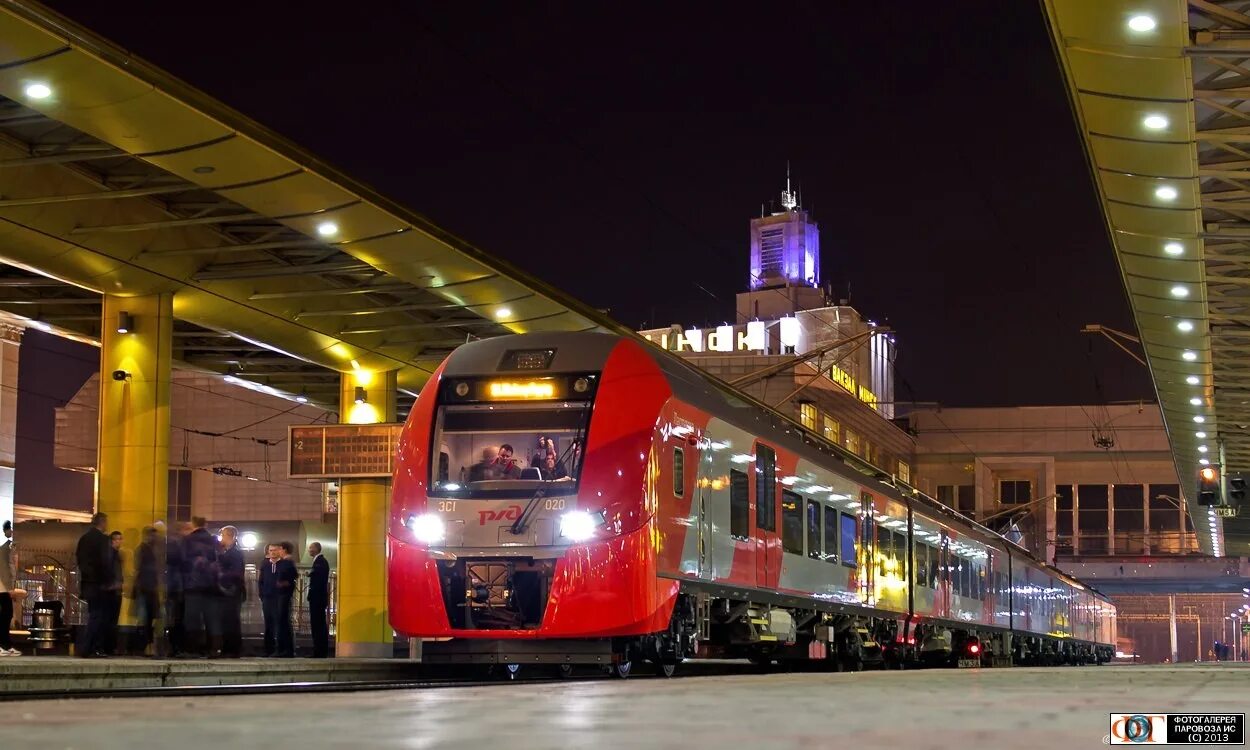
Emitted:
<point x="789" y="200"/>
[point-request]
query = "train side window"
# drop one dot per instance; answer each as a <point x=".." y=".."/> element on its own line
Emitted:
<point x="831" y="535"/>
<point x="444" y="466"/>
<point x="814" y="526"/>
<point x="979" y="582"/>
<point x="883" y="551"/>
<point x="850" y="540"/>
<point x="739" y="504"/>
<point x="765" y="487"/>
<point x="922" y="565"/>
<point x="679" y="472"/>
<point x="900" y="554"/>
<point x="791" y="522"/>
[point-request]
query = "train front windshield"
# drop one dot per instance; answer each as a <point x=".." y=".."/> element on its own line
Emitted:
<point x="494" y="450"/>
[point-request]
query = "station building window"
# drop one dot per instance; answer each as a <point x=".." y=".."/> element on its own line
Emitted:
<point x="1063" y="517"/>
<point x="1014" y="491"/>
<point x="851" y="441"/>
<point x="966" y="502"/>
<point x="791" y="522"/>
<point x="946" y="495"/>
<point x="831" y="428"/>
<point x="178" y="506"/>
<point x="1091" y="522"/>
<point x="1128" y="502"/>
<point x="904" y="472"/>
<point x="807" y="415"/>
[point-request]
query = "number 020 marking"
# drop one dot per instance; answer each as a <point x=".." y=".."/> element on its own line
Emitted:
<point x="447" y="506"/>
<point x="554" y="503"/>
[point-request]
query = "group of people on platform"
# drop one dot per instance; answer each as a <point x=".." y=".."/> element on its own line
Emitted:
<point x="204" y="587"/>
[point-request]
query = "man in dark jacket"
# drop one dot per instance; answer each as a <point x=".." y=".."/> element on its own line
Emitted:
<point x="270" y="595"/>
<point x="231" y="583"/>
<point x="175" y="596"/>
<point x="114" y="594"/>
<point x="287" y="576"/>
<point x="95" y="572"/>
<point x="318" y="601"/>
<point x="146" y="590"/>
<point x="199" y="580"/>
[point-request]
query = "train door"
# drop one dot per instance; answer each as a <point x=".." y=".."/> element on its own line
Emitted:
<point x="765" y="515"/>
<point x="867" y="550"/>
<point x="946" y="574"/>
<point x="705" y="534"/>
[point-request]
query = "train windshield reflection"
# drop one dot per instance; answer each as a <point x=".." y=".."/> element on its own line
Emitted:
<point x="488" y="449"/>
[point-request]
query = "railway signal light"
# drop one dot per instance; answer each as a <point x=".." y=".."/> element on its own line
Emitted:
<point x="1208" y="486"/>
<point x="1236" y="489"/>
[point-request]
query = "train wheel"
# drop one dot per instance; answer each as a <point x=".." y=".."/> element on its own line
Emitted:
<point x="621" y="669"/>
<point x="663" y="669"/>
<point x="565" y="671"/>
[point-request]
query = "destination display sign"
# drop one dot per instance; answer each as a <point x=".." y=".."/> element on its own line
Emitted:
<point x="342" y="451"/>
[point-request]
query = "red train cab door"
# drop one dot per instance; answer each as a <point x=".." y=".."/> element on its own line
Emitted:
<point x="767" y="570"/>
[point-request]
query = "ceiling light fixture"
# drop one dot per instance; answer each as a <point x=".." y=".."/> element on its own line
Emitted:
<point x="1189" y="356"/>
<point x="1142" y="23"/>
<point x="1180" y="291"/>
<point x="1166" y="193"/>
<point x="1174" y="248"/>
<point x="1155" y="122"/>
<point x="1199" y="418"/>
<point x="1192" y="380"/>
<point x="1200" y="435"/>
<point x="38" y="91"/>
<point x="1195" y="401"/>
<point x="1184" y="326"/>
<point x="502" y="313"/>
<point x="327" y="229"/>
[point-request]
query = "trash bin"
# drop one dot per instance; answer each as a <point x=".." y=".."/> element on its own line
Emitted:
<point x="47" y="630"/>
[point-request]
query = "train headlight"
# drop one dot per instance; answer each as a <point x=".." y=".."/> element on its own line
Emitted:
<point x="578" y="525"/>
<point x="427" y="528"/>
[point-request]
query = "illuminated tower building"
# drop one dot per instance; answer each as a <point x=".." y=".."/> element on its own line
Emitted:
<point x="785" y="262"/>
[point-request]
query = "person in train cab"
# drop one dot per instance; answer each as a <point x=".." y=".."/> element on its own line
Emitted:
<point x="319" y="601"/>
<point x="270" y="595"/>
<point x="175" y="592"/>
<point x="116" y="584"/>
<point x="230" y="581"/>
<point x="199" y="571"/>
<point x="8" y="584"/>
<point x="287" y="576"/>
<point x="145" y="591"/>
<point x="95" y="569"/>
<point x="501" y="466"/>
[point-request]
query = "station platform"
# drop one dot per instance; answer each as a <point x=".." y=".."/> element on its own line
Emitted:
<point x="1021" y="708"/>
<point x="25" y="674"/>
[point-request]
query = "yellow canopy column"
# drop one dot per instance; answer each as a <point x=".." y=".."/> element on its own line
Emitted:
<point x="133" y="462"/>
<point x="364" y="628"/>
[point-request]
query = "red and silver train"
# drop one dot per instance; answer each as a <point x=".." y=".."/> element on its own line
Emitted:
<point x="589" y="498"/>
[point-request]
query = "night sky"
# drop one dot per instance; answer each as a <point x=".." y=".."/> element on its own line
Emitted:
<point x="618" y="153"/>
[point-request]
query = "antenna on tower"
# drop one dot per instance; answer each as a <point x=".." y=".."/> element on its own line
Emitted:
<point x="789" y="199"/>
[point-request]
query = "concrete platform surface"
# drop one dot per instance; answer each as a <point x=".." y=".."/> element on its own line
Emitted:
<point x="26" y="673"/>
<point x="1055" y="709"/>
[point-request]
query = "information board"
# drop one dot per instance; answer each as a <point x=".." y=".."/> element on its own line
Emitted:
<point x="342" y="451"/>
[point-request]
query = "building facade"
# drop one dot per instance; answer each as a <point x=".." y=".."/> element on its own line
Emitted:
<point x="791" y="347"/>
<point x="228" y="452"/>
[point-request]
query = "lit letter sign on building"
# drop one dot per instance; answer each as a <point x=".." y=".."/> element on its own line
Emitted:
<point x="724" y="339"/>
<point x="755" y="336"/>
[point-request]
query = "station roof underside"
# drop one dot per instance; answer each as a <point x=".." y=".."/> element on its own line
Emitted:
<point x="119" y="179"/>
<point x="1161" y="94"/>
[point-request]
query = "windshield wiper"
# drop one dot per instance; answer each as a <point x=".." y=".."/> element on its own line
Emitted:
<point x="523" y="521"/>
